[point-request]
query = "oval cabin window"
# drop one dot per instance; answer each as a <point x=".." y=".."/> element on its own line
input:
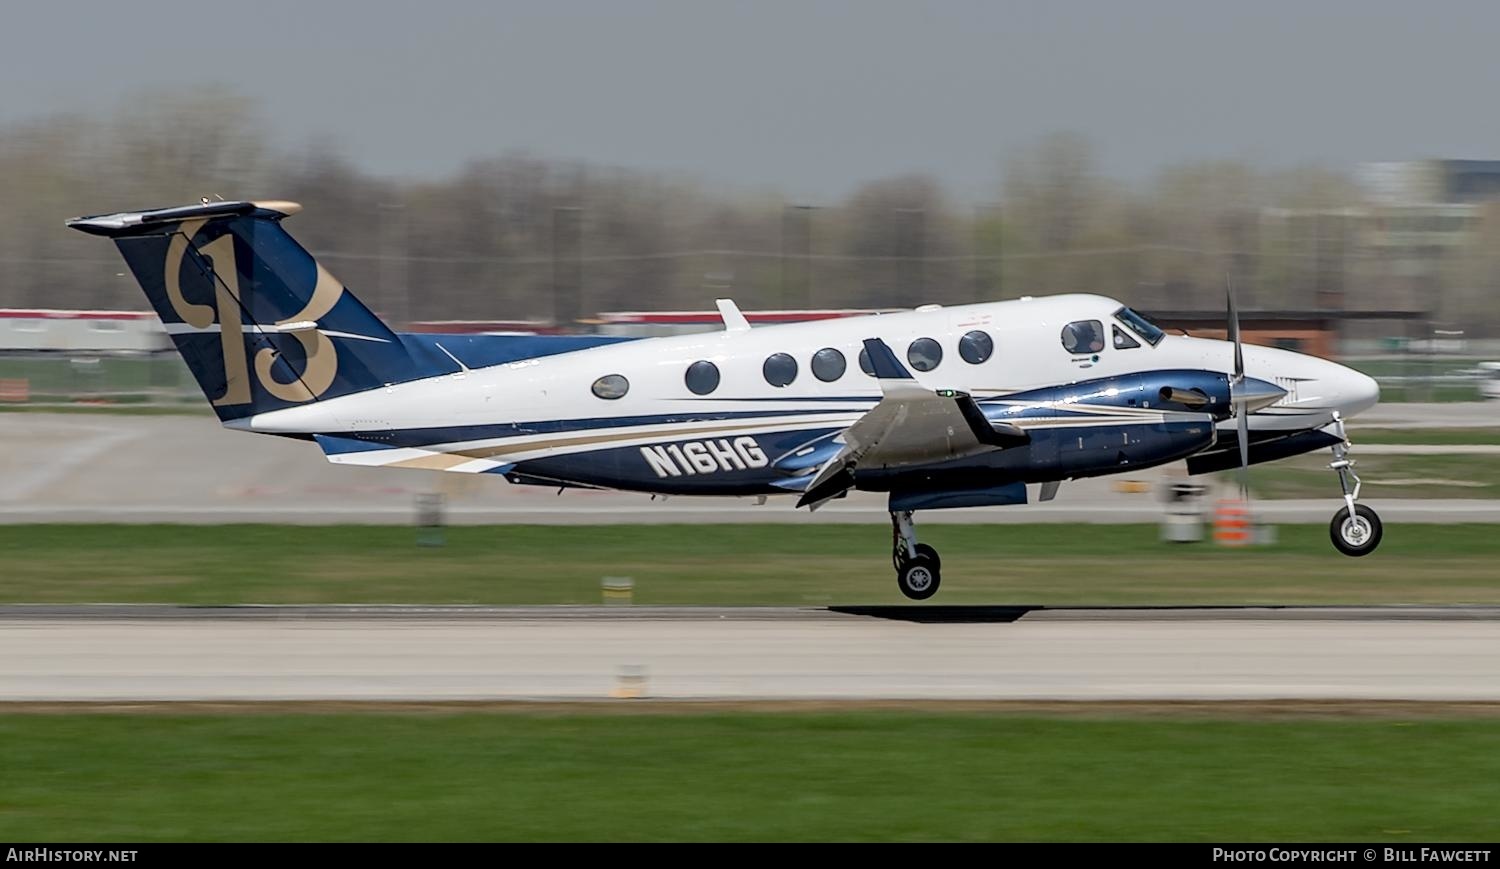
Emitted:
<point x="780" y="369"/>
<point x="702" y="377"/>
<point x="611" y="386"/>
<point x="975" y="347"/>
<point x="828" y="365"/>
<point x="924" y="354"/>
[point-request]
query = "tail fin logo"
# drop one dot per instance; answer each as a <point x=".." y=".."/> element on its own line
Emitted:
<point x="322" y="359"/>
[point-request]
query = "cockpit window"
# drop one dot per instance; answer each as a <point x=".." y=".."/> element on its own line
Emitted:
<point x="1141" y="325"/>
<point x="1083" y="336"/>
<point x="1123" y="341"/>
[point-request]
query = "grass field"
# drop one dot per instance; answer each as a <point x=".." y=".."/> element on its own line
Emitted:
<point x="63" y="373"/>
<point x="728" y="564"/>
<point x="872" y="775"/>
<point x="1415" y="365"/>
<point x="1432" y="436"/>
<point x="1391" y="393"/>
<point x="1435" y="476"/>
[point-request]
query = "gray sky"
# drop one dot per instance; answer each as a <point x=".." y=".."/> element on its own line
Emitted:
<point x="809" y="98"/>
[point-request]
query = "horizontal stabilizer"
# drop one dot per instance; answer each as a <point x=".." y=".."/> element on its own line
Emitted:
<point x="370" y="453"/>
<point x="131" y="222"/>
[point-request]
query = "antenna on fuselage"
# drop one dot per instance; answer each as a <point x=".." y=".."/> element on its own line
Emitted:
<point x="729" y="312"/>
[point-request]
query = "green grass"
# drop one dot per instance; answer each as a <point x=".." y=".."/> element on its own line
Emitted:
<point x="1436" y="476"/>
<point x="742" y="776"/>
<point x="1430" y="436"/>
<point x="1415" y="365"/>
<point x="728" y="564"/>
<point x="60" y="373"/>
<point x="1398" y="393"/>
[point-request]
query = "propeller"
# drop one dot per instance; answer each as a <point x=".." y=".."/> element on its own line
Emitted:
<point x="1237" y="394"/>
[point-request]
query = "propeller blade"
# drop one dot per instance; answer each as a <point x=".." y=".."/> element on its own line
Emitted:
<point x="1242" y="423"/>
<point x="1237" y="392"/>
<point x="1234" y="330"/>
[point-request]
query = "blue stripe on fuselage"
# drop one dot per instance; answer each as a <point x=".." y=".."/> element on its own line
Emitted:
<point x="1078" y="400"/>
<point x="354" y="442"/>
<point x="1052" y="455"/>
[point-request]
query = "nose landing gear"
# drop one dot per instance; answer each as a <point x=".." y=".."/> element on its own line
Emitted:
<point x="918" y="568"/>
<point x="1355" y="529"/>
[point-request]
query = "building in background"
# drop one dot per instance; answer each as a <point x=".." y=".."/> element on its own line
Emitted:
<point x="1427" y="182"/>
<point x="34" y="330"/>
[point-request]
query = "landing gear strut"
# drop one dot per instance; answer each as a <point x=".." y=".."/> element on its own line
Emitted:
<point x="917" y="564"/>
<point x="1355" y="529"/>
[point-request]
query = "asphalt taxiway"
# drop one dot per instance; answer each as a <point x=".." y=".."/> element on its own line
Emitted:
<point x="140" y="654"/>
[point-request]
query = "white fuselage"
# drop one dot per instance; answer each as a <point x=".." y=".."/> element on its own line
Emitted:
<point x="1028" y="354"/>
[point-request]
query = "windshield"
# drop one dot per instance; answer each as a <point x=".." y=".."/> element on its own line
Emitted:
<point x="1140" y="325"/>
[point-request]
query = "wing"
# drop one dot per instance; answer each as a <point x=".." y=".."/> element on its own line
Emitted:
<point x="911" y="425"/>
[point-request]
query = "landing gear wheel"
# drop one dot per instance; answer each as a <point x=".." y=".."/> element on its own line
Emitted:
<point x="925" y="551"/>
<point x="919" y="578"/>
<point x="1358" y="534"/>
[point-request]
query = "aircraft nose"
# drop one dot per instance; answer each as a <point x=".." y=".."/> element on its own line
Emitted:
<point x="1354" y="391"/>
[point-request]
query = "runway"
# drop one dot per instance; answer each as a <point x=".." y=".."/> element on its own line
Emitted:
<point x="67" y="468"/>
<point x="124" y="654"/>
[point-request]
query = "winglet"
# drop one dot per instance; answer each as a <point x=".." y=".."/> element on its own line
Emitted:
<point x="734" y="321"/>
<point x="885" y="363"/>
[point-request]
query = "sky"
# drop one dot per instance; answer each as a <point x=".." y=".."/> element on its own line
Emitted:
<point x="807" y="98"/>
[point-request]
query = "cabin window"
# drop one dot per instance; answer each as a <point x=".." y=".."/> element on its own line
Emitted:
<point x="1083" y="336"/>
<point x="611" y="386"/>
<point x="975" y="347"/>
<point x="779" y="369"/>
<point x="924" y="354"/>
<point x="828" y="365"/>
<point x="1123" y="341"/>
<point x="865" y="364"/>
<point x="702" y="377"/>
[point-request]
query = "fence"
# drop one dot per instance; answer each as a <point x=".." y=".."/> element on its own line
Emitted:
<point x="155" y="379"/>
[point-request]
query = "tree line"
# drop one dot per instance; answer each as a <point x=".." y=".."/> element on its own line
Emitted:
<point x="516" y="236"/>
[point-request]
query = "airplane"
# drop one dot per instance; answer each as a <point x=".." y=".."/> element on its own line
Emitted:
<point x="938" y="407"/>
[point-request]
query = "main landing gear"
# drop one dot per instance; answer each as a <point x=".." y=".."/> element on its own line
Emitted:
<point x="1355" y="529"/>
<point x="918" y="567"/>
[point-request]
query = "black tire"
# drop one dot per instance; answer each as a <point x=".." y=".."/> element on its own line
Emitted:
<point x="918" y="578"/>
<point x="930" y="554"/>
<point x="1359" y="536"/>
